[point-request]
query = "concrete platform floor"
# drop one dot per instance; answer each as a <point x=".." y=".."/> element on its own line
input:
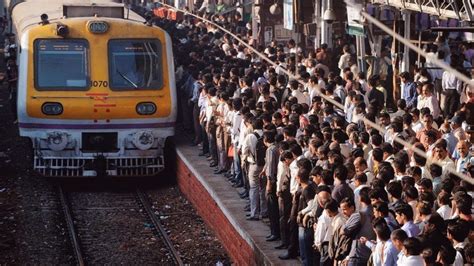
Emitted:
<point x="228" y="200"/>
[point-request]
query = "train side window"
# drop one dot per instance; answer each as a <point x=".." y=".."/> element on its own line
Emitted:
<point x="135" y="64"/>
<point x="61" y="64"/>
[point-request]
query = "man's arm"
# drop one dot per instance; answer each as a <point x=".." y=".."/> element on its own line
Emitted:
<point x="412" y="98"/>
<point x="352" y="225"/>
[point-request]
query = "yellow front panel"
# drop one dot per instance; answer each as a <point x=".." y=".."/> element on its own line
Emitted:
<point x="99" y="103"/>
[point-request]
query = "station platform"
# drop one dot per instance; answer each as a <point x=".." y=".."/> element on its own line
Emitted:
<point x="219" y="204"/>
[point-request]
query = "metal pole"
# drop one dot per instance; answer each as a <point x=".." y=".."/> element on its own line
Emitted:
<point x="255" y="6"/>
<point x="406" y="50"/>
<point x="317" y="20"/>
<point x="361" y="42"/>
<point x="324" y="27"/>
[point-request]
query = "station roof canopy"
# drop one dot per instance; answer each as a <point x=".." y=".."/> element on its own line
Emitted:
<point x="457" y="9"/>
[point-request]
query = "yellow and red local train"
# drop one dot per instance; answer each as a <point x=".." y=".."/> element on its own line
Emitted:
<point x="96" y="88"/>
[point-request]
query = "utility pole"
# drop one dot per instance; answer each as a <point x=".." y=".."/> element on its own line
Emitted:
<point x="395" y="58"/>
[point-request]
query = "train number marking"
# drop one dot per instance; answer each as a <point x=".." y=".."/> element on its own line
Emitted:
<point x="100" y="83"/>
<point x="98" y="97"/>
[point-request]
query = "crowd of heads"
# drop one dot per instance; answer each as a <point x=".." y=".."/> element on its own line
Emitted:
<point x="349" y="175"/>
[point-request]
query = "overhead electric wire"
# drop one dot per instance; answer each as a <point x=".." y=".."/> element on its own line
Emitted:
<point x="339" y="105"/>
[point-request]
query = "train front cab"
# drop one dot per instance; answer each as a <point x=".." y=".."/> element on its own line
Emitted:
<point x="97" y="104"/>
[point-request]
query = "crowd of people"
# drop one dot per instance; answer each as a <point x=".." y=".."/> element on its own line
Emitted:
<point x="336" y="190"/>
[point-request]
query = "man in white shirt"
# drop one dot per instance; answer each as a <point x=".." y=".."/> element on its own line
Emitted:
<point x="412" y="248"/>
<point x="329" y="221"/>
<point x="443" y="201"/>
<point x="416" y="124"/>
<point x="298" y="154"/>
<point x="452" y="88"/>
<point x="250" y="153"/>
<point x="297" y="93"/>
<point x="457" y="234"/>
<point x="361" y="167"/>
<point x="293" y="226"/>
<point x="202" y="103"/>
<point x="284" y="196"/>
<point x="384" y="252"/>
<point x="398" y="236"/>
<point x="234" y="134"/>
<point x="212" y="102"/>
<point x="344" y="60"/>
<point x="441" y="154"/>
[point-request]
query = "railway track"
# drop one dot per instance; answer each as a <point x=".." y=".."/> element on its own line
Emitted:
<point x="104" y="226"/>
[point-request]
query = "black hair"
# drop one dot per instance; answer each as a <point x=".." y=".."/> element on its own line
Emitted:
<point x="331" y="205"/>
<point x="286" y="155"/>
<point x="327" y="177"/>
<point x="296" y="149"/>
<point x="428" y="256"/>
<point x="406" y="210"/>
<point x="399" y="165"/>
<point x="323" y="188"/>
<point x="377" y="154"/>
<point x="348" y="201"/>
<point x="399" y="234"/>
<point x="459" y="230"/>
<point x="425" y="182"/>
<point x="340" y="173"/>
<point x="361" y="178"/>
<point x="412" y="246"/>
<point x="386" y="147"/>
<point x="304" y="163"/>
<point x="303" y="175"/>
<point x="409" y="181"/>
<point x="290" y="130"/>
<point x="395" y="189"/>
<point x="364" y="195"/>
<point x="447" y="254"/>
<point x="411" y="192"/>
<point x="376" y="139"/>
<point x="435" y="170"/>
<point x="381" y="229"/>
<point x="378" y="193"/>
<point x="425" y="207"/>
<point x="269" y="136"/>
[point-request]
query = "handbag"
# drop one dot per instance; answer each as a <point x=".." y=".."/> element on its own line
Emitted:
<point x="230" y="151"/>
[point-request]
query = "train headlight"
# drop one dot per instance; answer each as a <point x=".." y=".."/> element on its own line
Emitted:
<point x="146" y="108"/>
<point x="52" y="108"/>
<point x="57" y="141"/>
<point x="143" y="140"/>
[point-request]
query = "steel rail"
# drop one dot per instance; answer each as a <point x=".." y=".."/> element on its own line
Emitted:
<point x="157" y="223"/>
<point x="70" y="226"/>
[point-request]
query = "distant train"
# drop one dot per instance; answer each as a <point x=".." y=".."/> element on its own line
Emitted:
<point x="96" y="88"/>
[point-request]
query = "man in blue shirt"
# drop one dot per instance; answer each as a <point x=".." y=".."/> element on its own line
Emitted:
<point x="409" y="90"/>
<point x="404" y="216"/>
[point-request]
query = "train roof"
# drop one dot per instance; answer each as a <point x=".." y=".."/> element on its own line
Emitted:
<point x="27" y="13"/>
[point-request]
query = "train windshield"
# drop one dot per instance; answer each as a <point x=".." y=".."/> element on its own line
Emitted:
<point x="61" y="64"/>
<point x="135" y="64"/>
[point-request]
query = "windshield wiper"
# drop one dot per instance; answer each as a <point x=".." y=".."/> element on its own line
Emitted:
<point x="127" y="79"/>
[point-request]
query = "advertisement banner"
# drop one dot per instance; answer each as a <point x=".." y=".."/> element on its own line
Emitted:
<point x="354" y="19"/>
<point x="288" y="15"/>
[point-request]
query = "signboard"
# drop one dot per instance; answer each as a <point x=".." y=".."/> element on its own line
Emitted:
<point x="354" y="19"/>
<point x="288" y="15"/>
<point x="268" y="35"/>
<point x="282" y="34"/>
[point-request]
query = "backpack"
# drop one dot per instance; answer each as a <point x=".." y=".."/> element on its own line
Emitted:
<point x="261" y="150"/>
<point x="339" y="245"/>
